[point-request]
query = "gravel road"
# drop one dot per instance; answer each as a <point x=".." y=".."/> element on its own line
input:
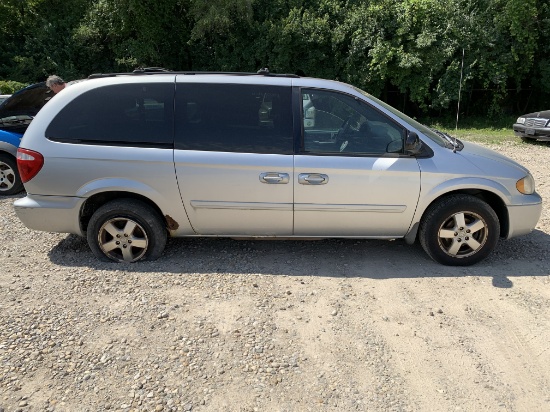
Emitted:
<point x="226" y="325"/>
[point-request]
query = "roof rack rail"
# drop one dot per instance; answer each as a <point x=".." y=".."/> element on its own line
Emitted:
<point x="151" y="70"/>
<point x="139" y="70"/>
<point x="159" y="70"/>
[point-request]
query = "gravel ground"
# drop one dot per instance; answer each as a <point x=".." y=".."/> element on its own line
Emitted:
<point x="225" y="325"/>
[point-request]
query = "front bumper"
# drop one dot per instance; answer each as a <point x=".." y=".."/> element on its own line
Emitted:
<point x="536" y="133"/>
<point x="524" y="218"/>
<point x="50" y="213"/>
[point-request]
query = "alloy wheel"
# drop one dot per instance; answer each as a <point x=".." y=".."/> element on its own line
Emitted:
<point x="463" y="234"/>
<point x="123" y="240"/>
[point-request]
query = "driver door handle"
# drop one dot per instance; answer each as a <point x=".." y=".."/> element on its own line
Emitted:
<point x="312" y="179"/>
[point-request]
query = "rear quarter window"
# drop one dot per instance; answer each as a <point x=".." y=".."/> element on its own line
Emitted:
<point x="125" y="114"/>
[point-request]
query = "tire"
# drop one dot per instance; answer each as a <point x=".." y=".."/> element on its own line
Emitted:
<point x="459" y="230"/>
<point x="140" y="231"/>
<point x="10" y="181"/>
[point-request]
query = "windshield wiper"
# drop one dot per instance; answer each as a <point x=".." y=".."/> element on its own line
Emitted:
<point x="455" y="143"/>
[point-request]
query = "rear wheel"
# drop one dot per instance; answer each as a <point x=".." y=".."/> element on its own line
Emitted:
<point x="126" y="230"/>
<point x="459" y="230"/>
<point x="10" y="181"/>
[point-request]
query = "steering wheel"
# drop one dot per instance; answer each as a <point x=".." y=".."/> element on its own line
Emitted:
<point x="342" y="132"/>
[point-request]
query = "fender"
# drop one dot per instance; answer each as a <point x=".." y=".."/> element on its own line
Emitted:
<point x="452" y="186"/>
<point x="172" y="209"/>
<point x="117" y="185"/>
<point x="9" y="142"/>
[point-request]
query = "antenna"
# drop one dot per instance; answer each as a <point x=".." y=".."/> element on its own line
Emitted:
<point x="459" y="90"/>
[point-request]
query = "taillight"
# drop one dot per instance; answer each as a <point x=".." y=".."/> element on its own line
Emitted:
<point x="29" y="163"/>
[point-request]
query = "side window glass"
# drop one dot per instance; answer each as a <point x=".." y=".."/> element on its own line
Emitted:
<point x="234" y="118"/>
<point x="126" y="114"/>
<point x="338" y="123"/>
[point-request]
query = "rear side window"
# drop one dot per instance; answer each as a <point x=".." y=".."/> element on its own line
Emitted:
<point x="124" y="114"/>
<point x="234" y="118"/>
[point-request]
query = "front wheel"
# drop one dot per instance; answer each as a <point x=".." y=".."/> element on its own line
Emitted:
<point x="459" y="230"/>
<point x="10" y="181"/>
<point x="126" y="230"/>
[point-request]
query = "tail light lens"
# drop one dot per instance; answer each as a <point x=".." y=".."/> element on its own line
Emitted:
<point x="29" y="163"/>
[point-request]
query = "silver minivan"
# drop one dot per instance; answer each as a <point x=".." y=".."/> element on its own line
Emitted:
<point x="129" y="159"/>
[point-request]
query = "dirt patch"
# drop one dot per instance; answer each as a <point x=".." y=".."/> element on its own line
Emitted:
<point x="220" y="324"/>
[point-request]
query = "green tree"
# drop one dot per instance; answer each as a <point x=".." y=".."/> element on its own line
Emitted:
<point x="38" y="38"/>
<point x="125" y="34"/>
<point x="412" y="49"/>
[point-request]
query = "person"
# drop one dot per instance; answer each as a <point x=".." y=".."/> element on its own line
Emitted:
<point x="55" y="83"/>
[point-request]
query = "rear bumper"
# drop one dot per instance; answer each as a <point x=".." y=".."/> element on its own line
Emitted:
<point x="524" y="218"/>
<point x="50" y="213"/>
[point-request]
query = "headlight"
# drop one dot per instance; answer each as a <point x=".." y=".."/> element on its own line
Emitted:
<point x="526" y="185"/>
<point x="521" y="120"/>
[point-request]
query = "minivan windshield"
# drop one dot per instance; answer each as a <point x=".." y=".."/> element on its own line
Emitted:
<point x="433" y="135"/>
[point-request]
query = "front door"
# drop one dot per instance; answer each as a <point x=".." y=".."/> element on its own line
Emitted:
<point x="352" y="178"/>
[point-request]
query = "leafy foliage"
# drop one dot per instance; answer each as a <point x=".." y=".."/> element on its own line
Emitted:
<point x="412" y="53"/>
<point x="10" y="86"/>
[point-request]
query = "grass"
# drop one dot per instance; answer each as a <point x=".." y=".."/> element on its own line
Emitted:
<point x="479" y="130"/>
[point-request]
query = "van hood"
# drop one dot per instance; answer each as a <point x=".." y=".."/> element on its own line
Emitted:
<point x="491" y="162"/>
<point x="18" y="111"/>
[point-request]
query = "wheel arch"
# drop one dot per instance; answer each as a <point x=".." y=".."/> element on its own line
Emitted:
<point x="97" y="200"/>
<point x="491" y="198"/>
<point x="11" y="187"/>
<point x="8" y="154"/>
<point x="8" y="149"/>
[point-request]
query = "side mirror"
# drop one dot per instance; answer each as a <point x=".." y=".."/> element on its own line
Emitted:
<point x="395" y="146"/>
<point x="413" y="145"/>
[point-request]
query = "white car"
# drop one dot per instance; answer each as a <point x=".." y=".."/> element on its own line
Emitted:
<point x="129" y="159"/>
<point x="4" y="97"/>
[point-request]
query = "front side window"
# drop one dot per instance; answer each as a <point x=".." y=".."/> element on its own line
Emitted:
<point x="338" y="123"/>
<point x="124" y="114"/>
<point x="234" y="118"/>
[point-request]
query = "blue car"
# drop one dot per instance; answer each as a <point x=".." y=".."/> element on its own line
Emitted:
<point x="16" y="113"/>
<point x="10" y="182"/>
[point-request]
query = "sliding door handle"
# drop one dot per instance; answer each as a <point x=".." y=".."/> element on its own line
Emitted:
<point x="274" y="178"/>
